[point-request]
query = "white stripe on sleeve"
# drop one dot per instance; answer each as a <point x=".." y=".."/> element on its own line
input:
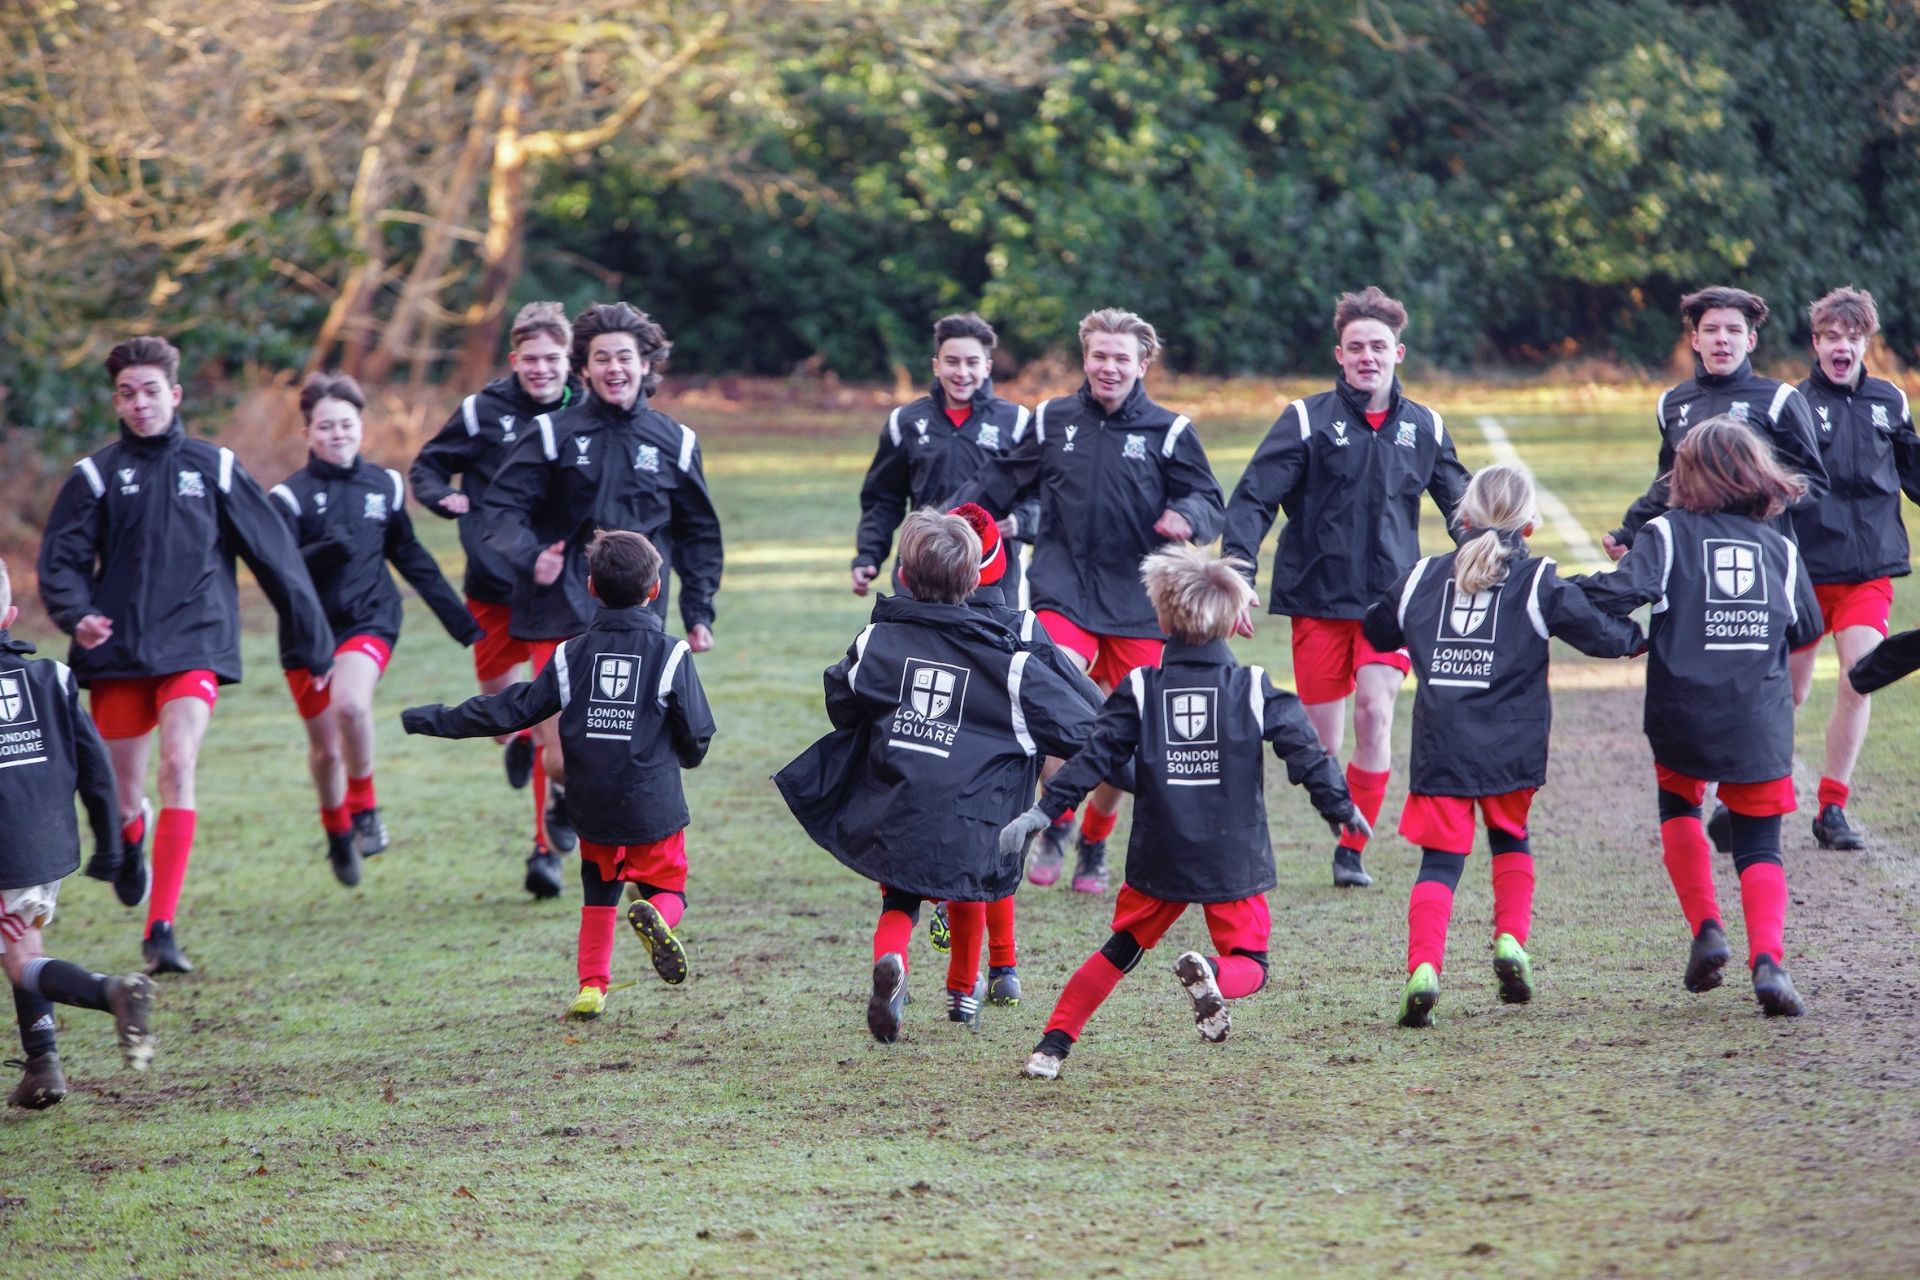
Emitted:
<point x="561" y="674"/>
<point x="226" y="470"/>
<point x="86" y="468"/>
<point x="1180" y="424"/>
<point x="287" y="496"/>
<point x="1533" y="599"/>
<point x="470" y="410"/>
<point x="1015" y="671"/>
<point x="667" y="673"/>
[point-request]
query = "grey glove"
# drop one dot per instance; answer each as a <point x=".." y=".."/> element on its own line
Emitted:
<point x="1353" y="824"/>
<point x="1014" y="836"/>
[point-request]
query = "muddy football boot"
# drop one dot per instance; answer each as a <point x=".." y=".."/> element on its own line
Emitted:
<point x="162" y="950"/>
<point x="130" y="1000"/>
<point x="1211" y="1018"/>
<point x="1774" y="990"/>
<point x="1090" y="868"/>
<point x="1003" y="985"/>
<point x="1834" y="830"/>
<point x="1421" y="994"/>
<point x="543" y="874"/>
<point x="369" y="833"/>
<point x="1707" y="958"/>
<point x="1347" y="871"/>
<point x="41" y="1082"/>
<point x="1513" y="969"/>
<point x="561" y="837"/>
<point x="668" y="956"/>
<point x="588" y="1005"/>
<point x="889" y="998"/>
<point x="135" y="877"/>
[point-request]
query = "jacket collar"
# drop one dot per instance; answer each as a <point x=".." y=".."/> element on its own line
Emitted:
<point x="1214" y="653"/>
<point x="509" y="390"/>
<point x="600" y="411"/>
<point x="982" y="395"/>
<point x="1717" y="382"/>
<point x="1357" y="403"/>
<point x="960" y="619"/>
<point x="1820" y="379"/>
<point x="324" y="470"/>
<point x="10" y="645"/>
<point x="1130" y="408"/>
<point x="168" y="439"/>
<point x="636" y="617"/>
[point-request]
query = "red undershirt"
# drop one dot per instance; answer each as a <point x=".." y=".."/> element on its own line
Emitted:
<point x="1376" y="418"/>
<point x="959" y="416"/>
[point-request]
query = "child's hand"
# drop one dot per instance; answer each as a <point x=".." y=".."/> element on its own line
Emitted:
<point x="1354" y="824"/>
<point x="1243" y="623"/>
<point x="548" y="564"/>
<point x="93" y="631"/>
<point x="1014" y="836"/>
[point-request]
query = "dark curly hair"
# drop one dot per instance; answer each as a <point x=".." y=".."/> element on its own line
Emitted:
<point x="622" y="317"/>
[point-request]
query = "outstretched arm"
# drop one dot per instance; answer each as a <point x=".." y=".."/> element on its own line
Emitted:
<point x="516" y="707"/>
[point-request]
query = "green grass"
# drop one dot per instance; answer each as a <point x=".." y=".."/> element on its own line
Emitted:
<point x="376" y="1083"/>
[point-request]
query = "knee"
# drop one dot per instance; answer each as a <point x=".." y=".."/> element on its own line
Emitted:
<point x="1372" y="717"/>
<point x="1440" y="867"/>
<point x="353" y="711"/>
<point x="176" y="768"/>
<point x="1121" y="951"/>
<point x="1674" y="805"/>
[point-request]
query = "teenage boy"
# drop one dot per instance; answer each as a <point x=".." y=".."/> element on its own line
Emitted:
<point x="939" y="720"/>
<point x="1851" y="539"/>
<point x="631" y="716"/>
<point x="1117" y="476"/>
<point x="50" y="752"/>
<point x="474" y="442"/>
<point x="1348" y="467"/>
<point x="609" y="462"/>
<point x="933" y="446"/>
<point x="137" y="566"/>
<point x="1193" y="728"/>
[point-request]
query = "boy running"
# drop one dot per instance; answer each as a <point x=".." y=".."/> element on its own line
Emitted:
<point x="1851" y="537"/>
<point x="137" y="566"/>
<point x="349" y="519"/>
<point x="1117" y="476"/>
<point x="608" y="462"/>
<point x="474" y="442"/>
<point x="1193" y="727"/>
<point x="49" y="750"/>
<point x="940" y="718"/>
<point x="1730" y="599"/>
<point x="1347" y="467"/>
<point x="1477" y="622"/>
<point x="631" y="716"/>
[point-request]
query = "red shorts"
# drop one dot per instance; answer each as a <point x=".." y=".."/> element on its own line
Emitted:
<point x="1446" y="822"/>
<point x="662" y="864"/>
<point x="1109" y="658"/>
<point x="1853" y="604"/>
<point x="130" y="708"/>
<point x="312" y="701"/>
<point x="1240" y="925"/>
<point x="540" y="653"/>
<point x="1751" y="799"/>
<point x="496" y="653"/>
<point x="1327" y="652"/>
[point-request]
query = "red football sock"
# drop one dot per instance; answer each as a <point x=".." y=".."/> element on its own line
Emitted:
<point x="360" y="797"/>
<point x="134" y="829"/>
<point x="336" y="820"/>
<point x="172" y="846"/>
<point x="1238" y="976"/>
<point x="539" y="790"/>
<point x="968" y="923"/>
<point x="1002" y="949"/>
<point x="670" y="905"/>
<point x="1429" y="908"/>
<point x="596" y="945"/>
<point x="1097" y="825"/>
<point x="1064" y="820"/>
<point x="892" y="934"/>
<point x="1369" y="792"/>
<point x="1089" y="986"/>
<point x="1689" y="860"/>
<point x="1513" y="895"/>
<point x="1833" y="791"/>
<point x="1763" y="895"/>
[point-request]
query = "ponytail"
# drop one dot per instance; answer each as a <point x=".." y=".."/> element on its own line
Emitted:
<point x="1499" y="504"/>
<point x="1483" y="562"/>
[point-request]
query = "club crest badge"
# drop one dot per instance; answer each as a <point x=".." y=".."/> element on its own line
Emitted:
<point x="1740" y="410"/>
<point x="506" y="426"/>
<point x="1073" y="429"/>
<point x="1405" y="437"/>
<point x="375" y="507"/>
<point x="647" y="459"/>
<point x="989" y="436"/>
<point x="192" y="485"/>
<point x="16" y="702"/>
<point x="580" y="444"/>
<point x="1880" y="417"/>
<point x="1733" y="573"/>
<point x="1469" y="618"/>
<point x="613" y="679"/>
<point x="933" y="696"/>
<point x="1135" y="448"/>
<point x="1190" y="716"/>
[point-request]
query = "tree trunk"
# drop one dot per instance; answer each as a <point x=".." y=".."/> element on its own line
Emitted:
<point x="502" y="250"/>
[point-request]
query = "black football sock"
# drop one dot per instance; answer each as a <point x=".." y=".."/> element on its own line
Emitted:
<point x="35" y="1013"/>
<point x="64" y="982"/>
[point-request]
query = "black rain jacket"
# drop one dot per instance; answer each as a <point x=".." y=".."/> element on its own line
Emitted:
<point x="632" y="716"/>
<point x="1351" y="496"/>
<point x="592" y="467"/>
<point x="940" y="720"/>
<point x="1193" y="729"/>
<point x="348" y="523"/>
<point x="1853" y="531"/>
<point x="474" y="442"/>
<point x="49" y="750"/>
<point x="1482" y="713"/>
<point x="145" y="532"/>
<point x="1102" y="483"/>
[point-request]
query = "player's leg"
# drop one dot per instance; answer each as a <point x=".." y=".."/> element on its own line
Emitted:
<point x="966" y="985"/>
<point x="1846" y="734"/>
<point x="599" y="914"/>
<point x="125" y="714"/>
<point x="1689" y="861"/>
<point x="185" y="711"/>
<point x="899" y="913"/>
<point x="1507" y="822"/>
<point x="356" y="670"/>
<point x="40" y="982"/>
<point x="1442" y="827"/>
<point x="1377" y="681"/>
<point x="658" y="871"/>
<point x="1138" y="923"/>
<point x="1003" y="953"/>
<point x="329" y="770"/>
<point x="1758" y="809"/>
<point x="1049" y="853"/>
<point x="1238" y="967"/>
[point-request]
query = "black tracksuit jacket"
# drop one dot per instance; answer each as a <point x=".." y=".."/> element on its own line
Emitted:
<point x="940" y="720"/>
<point x="1482" y="714"/>
<point x="49" y="750"/>
<point x="1351" y="496"/>
<point x="348" y="522"/>
<point x="472" y="445"/>
<point x="1730" y="600"/>
<point x="1775" y="409"/>
<point x="1193" y="729"/>
<point x="145" y="532"/>
<point x="1853" y="531"/>
<point x="1032" y="637"/>
<point x="592" y="467"/>
<point x="922" y="460"/>
<point x="1102" y="482"/>
<point x="632" y="716"/>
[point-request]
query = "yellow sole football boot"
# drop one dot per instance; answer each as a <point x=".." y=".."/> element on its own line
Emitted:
<point x="587" y="1005"/>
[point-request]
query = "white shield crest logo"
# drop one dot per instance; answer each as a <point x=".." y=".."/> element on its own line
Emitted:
<point x="1189" y="714"/>
<point x="126" y="475"/>
<point x="1739" y="409"/>
<point x="1734" y="569"/>
<point x="10" y="700"/>
<point x="616" y="676"/>
<point x="932" y="692"/>
<point x="506" y="426"/>
<point x="1880" y="415"/>
<point x="1469" y="613"/>
<point x="1826" y="422"/>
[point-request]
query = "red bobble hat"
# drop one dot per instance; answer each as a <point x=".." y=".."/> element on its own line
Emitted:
<point x="993" y="554"/>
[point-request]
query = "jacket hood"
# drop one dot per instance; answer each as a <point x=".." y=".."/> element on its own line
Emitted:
<point x="10" y="645"/>
<point x="1352" y="398"/>
<point x="166" y="440"/>
<point x="637" y="617"/>
<point x="960" y="618"/>
<point x="1715" y="380"/>
<point x="1129" y="409"/>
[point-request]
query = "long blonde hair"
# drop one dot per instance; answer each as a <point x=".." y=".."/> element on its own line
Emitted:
<point x="1498" y="503"/>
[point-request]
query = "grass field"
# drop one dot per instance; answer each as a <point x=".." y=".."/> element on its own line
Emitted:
<point x="376" y="1083"/>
